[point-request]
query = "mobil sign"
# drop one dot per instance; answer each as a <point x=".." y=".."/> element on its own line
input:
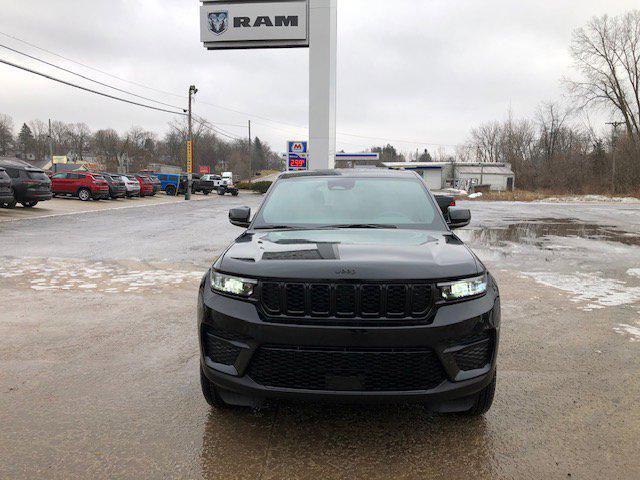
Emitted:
<point x="296" y="146"/>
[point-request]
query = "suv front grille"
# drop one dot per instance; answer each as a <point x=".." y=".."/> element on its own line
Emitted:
<point x="306" y="368"/>
<point x="315" y="301"/>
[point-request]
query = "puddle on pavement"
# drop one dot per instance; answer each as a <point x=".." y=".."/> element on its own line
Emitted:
<point x="537" y="232"/>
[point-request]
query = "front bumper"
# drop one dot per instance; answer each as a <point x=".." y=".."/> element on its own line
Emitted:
<point x="243" y="337"/>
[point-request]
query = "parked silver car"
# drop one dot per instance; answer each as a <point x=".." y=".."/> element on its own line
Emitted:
<point x="133" y="186"/>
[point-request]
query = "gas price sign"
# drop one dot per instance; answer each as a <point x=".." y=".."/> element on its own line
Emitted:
<point x="297" y="161"/>
<point x="297" y="155"/>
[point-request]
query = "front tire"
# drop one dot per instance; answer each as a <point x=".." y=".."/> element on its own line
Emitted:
<point x="221" y="191"/>
<point x="170" y="190"/>
<point x="210" y="392"/>
<point x="484" y="400"/>
<point x="29" y="204"/>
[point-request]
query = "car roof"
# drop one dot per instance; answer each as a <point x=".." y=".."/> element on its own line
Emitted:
<point x="351" y="173"/>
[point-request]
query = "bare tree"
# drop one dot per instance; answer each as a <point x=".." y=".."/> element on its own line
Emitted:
<point x="106" y="144"/>
<point x="607" y="54"/>
<point x="551" y="119"/>
<point x="40" y="133"/>
<point x="79" y="135"/>
<point x="6" y="133"/>
<point x="486" y="140"/>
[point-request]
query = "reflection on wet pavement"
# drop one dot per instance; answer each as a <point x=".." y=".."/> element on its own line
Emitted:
<point x="537" y="232"/>
<point x="338" y="441"/>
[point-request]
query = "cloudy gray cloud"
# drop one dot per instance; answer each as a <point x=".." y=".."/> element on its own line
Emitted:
<point x="407" y="70"/>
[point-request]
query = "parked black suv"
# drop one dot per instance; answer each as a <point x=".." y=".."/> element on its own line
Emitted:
<point x="117" y="188"/>
<point x="349" y="286"/>
<point x="30" y="185"/>
<point x="6" y="191"/>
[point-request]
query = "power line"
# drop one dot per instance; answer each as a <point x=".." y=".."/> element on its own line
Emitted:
<point x="87" y="78"/>
<point x="205" y="123"/>
<point x="87" y="89"/>
<point x="90" y="67"/>
<point x="221" y="107"/>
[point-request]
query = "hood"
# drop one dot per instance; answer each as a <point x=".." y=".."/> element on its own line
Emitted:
<point x="356" y="254"/>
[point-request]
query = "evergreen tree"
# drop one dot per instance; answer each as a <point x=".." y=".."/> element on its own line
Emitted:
<point x="425" y="156"/>
<point x="25" y="139"/>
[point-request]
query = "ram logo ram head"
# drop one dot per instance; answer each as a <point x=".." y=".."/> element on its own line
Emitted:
<point x="218" y="22"/>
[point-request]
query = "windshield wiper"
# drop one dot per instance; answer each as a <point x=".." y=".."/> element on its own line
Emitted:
<point x="364" y="225"/>
<point x="281" y="227"/>
<point x="326" y="227"/>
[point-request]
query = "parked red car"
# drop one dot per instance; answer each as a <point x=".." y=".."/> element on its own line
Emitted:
<point x="79" y="184"/>
<point x="146" y="185"/>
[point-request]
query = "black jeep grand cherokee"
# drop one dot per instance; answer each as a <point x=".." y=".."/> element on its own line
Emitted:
<point x="349" y="286"/>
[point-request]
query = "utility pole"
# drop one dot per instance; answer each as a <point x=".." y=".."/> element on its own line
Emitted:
<point x="250" y="155"/>
<point x="614" y="138"/>
<point x="55" y="169"/>
<point x="187" y="195"/>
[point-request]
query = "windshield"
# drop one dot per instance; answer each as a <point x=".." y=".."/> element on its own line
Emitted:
<point x="383" y="202"/>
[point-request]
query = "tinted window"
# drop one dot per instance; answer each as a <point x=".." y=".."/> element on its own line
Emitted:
<point x="60" y="175"/>
<point x="13" y="172"/>
<point x="37" y="175"/>
<point x="342" y="200"/>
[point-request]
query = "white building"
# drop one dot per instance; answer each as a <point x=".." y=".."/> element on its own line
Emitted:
<point x="439" y="175"/>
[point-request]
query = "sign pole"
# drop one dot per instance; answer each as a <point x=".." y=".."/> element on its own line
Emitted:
<point x="323" y="15"/>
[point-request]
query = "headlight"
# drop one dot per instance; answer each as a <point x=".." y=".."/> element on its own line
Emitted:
<point x="468" y="287"/>
<point x="233" y="285"/>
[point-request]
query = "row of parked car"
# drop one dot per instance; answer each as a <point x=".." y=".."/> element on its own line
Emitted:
<point x="103" y="185"/>
<point x="27" y="185"/>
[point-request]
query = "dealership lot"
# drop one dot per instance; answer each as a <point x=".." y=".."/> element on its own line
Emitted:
<point x="99" y="354"/>
<point x="70" y="206"/>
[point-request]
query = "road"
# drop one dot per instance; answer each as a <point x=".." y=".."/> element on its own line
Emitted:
<point x="99" y="361"/>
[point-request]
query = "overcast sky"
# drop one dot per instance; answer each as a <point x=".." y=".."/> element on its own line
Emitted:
<point x="419" y="70"/>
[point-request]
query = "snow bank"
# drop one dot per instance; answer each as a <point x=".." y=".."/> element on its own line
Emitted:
<point x="590" y="199"/>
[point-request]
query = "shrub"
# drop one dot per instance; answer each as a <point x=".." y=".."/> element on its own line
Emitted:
<point x="260" y="187"/>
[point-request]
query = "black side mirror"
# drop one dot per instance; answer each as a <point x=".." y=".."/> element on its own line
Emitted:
<point x="458" y="217"/>
<point x="240" y="216"/>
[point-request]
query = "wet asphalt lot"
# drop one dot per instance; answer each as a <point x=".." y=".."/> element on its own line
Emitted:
<point x="98" y="355"/>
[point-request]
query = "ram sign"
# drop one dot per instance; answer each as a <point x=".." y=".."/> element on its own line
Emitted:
<point x="254" y="24"/>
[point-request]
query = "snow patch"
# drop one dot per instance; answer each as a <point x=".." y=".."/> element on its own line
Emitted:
<point x="59" y="274"/>
<point x="589" y="289"/>
<point x="632" y="331"/>
<point x="634" y="272"/>
<point x="590" y="199"/>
